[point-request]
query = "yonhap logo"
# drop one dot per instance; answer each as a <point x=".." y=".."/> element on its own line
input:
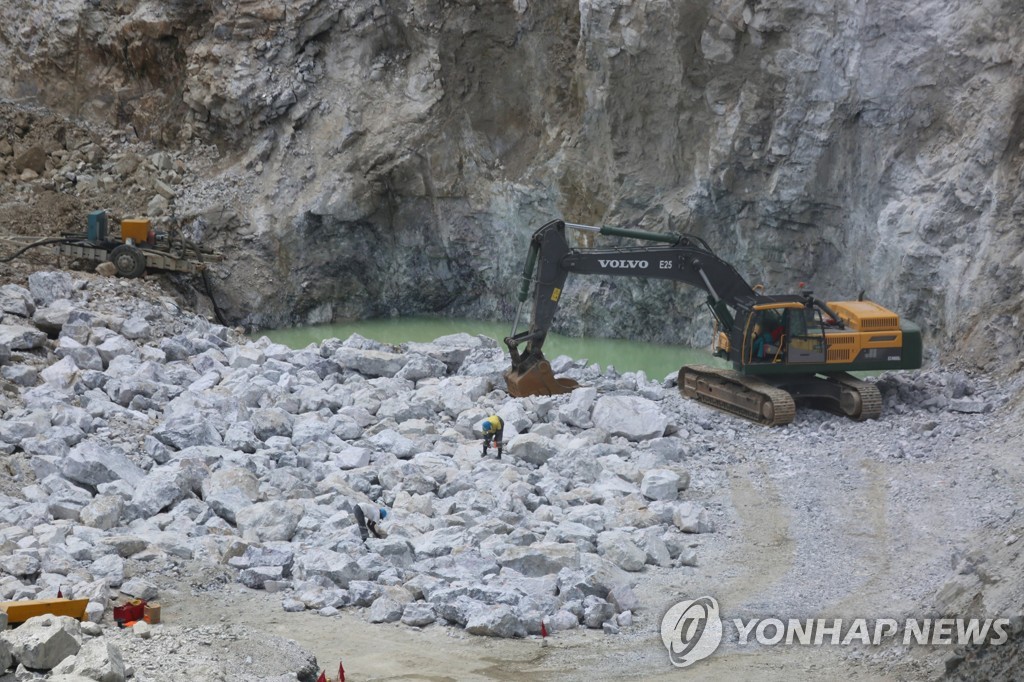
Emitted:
<point x="691" y="630"/>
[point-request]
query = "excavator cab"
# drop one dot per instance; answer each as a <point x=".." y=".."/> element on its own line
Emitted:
<point x="806" y="336"/>
<point x="786" y="332"/>
<point x="763" y="333"/>
<point x="767" y="336"/>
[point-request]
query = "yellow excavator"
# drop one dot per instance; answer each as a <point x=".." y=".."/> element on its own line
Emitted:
<point x="782" y="348"/>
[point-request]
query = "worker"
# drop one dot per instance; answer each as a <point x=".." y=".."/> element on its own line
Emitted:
<point x="762" y="338"/>
<point x="369" y="518"/>
<point x="493" y="428"/>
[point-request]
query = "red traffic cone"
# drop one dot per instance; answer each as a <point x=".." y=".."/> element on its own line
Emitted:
<point x="543" y="630"/>
<point x="341" y="672"/>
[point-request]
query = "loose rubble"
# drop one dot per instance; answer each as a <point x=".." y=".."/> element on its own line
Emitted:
<point x="144" y="431"/>
<point x="137" y="432"/>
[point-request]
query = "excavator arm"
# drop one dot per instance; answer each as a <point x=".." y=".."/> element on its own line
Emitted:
<point x="681" y="258"/>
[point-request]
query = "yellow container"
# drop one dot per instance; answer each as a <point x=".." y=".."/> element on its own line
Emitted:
<point x="20" y="611"/>
<point x="136" y="229"/>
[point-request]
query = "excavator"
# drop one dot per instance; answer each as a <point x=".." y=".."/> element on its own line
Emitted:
<point x="783" y="348"/>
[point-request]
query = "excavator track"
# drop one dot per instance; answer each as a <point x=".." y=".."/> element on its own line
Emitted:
<point x="745" y="396"/>
<point x="859" y="400"/>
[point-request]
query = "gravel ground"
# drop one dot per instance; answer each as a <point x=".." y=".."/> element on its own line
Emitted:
<point x="822" y="518"/>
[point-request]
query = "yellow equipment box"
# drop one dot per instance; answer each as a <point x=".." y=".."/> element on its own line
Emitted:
<point x="20" y="611"/>
<point x="136" y="229"/>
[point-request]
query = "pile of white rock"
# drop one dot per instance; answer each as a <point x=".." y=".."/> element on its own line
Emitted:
<point x="142" y="435"/>
<point x="141" y="439"/>
<point x="62" y="649"/>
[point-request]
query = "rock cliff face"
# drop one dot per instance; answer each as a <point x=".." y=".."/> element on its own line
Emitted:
<point x="383" y="157"/>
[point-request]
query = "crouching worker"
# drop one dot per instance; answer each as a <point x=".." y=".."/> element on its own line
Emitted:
<point x="368" y="518"/>
<point x="493" y="428"/>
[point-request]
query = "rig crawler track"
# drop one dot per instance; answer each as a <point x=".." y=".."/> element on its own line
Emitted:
<point x="774" y="405"/>
<point x="742" y="395"/>
<point x="858" y="399"/>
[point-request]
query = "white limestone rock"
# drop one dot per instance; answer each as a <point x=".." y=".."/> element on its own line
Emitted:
<point x="660" y="484"/>
<point x="41" y="642"/>
<point x="632" y="417"/>
<point x="690" y="517"/>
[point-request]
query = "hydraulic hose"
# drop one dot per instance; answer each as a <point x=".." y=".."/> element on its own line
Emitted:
<point x="206" y="279"/>
<point x="188" y="242"/>
<point x="41" y="242"/>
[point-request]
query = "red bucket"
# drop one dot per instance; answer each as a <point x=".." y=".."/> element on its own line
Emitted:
<point x="133" y="610"/>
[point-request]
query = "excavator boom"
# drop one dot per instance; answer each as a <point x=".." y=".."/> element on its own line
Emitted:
<point x="682" y="258"/>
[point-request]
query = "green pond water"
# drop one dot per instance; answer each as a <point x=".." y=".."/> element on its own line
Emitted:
<point x="656" y="360"/>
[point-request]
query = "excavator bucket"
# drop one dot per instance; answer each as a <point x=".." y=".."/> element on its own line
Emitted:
<point x="536" y="379"/>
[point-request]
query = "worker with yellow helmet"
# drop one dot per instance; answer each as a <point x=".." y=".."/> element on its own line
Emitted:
<point x="493" y="427"/>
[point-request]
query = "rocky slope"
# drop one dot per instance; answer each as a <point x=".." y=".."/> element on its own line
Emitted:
<point x="382" y="158"/>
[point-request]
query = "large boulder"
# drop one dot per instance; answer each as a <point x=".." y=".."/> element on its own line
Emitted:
<point x="632" y="417"/>
<point x="180" y="432"/>
<point x="266" y="521"/>
<point x="31" y="158"/>
<point x="497" y="620"/>
<point x="532" y="448"/>
<point x="20" y="337"/>
<point x="370" y="363"/>
<point x="660" y="484"/>
<point x="41" y="642"/>
<point x="98" y="659"/>
<point x="229" y="490"/>
<point x="340" y="569"/>
<point x="597" y="611"/>
<point x="103" y="512"/>
<point x="52" y="318"/>
<point x="16" y="300"/>
<point x="616" y="546"/>
<point x="418" y="614"/>
<point x="165" y="486"/>
<point x="541" y="558"/>
<point x="92" y="463"/>
<point x="271" y="421"/>
<point x="690" y="517"/>
<point x="47" y="287"/>
<point x="576" y="412"/>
